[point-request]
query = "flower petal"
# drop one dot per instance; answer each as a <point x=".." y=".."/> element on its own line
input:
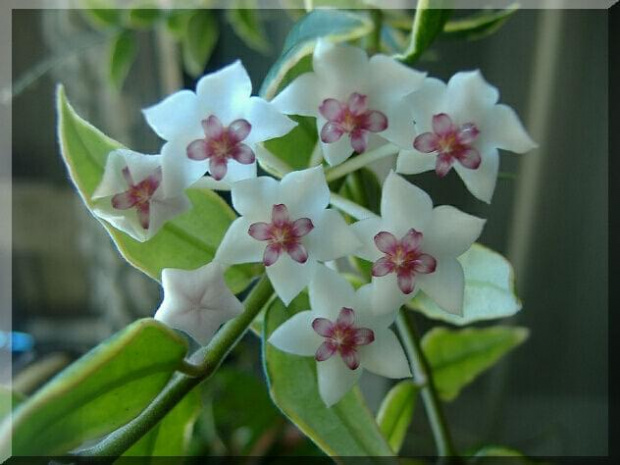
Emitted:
<point x="357" y="103"/>
<point x="331" y="132"/>
<point x="414" y="162"/>
<point x="335" y="379"/>
<point x="224" y="93"/>
<point x="375" y="121"/>
<point x="341" y="67"/>
<point x="426" y="142"/>
<point x="365" y="231"/>
<point x="406" y="282"/>
<point x="260" y="231"/>
<point x="197" y="150"/>
<point x="364" y="336"/>
<point x="298" y="253"/>
<point x="271" y="254"/>
<point x="468" y="133"/>
<point x="386" y="242"/>
<point x="238" y="130"/>
<point x="450" y="232"/>
<point x="386" y="295"/>
<point x="323" y="327"/>
<point x="346" y="316"/>
<point x="331" y="109"/>
<point x="267" y="121"/>
<point x="238" y="246"/>
<point x="385" y="356"/>
<point x="254" y="198"/>
<point x="329" y="292"/>
<point x="302" y="226"/>
<point x="411" y="240"/>
<point x="359" y="140"/>
<point x="443" y="165"/>
<point x="334" y="152"/>
<point x="442" y="124"/>
<point x="331" y="238"/>
<point x="325" y="351"/>
<point x="300" y="97"/>
<point x="305" y="192"/>
<point x="428" y="100"/>
<point x="212" y="126"/>
<point x="238" y="172"/>
<point x="382" y="267"/>
<point x="425" y="264"/>
<point x="218" y="168"/>
<point x="481" y="181"/>
<point x="123" y="201"/>
<point x="144" y="217"/>
<point x="289" y="278"/>
<point x="179" y="172"/>
<point x="404" y="206"/>
<point x="470" y="95"/>
<point x="445" y="285"/>
<point x="279" y="214"/>
<point x="470" y="158"/>
<point x="350" y="358"/>
<point x="243" y="154"/>
<point x="505" y="130"/>
<point x="296" y="336"/>
<point x="175" y="116"/>
<point x="390" y="79"/>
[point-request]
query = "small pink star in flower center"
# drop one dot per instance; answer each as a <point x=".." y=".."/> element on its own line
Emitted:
<point x="451" y="142"/>
<point x="402" y="257"/>
<point x="220" y="144"/>
<point x="352" y="117"/>
<point x="342" y="337"/>
<point x="138" y="195"/>
<point x="283" y="235"/>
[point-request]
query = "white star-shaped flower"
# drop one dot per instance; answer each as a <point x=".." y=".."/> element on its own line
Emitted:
<point x="286" y="226"/>
<point x="197" y="302"/>
<point x="215" y="129"/>
<point x="353" y="98"/>
<point x="413" y="246"/>
<point x="130" y="196"/>
<point x="343" y="335"/>
<point x="461" y="126"/>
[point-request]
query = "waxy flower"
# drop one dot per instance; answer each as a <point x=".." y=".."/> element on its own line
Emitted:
<point x="353" y="98"/>
<point x="131" y="198"/>
<point x="285" y="226"/>
<point x="215" y="129"/>
<point x="343" y="335"/>
<point x="197" y="301"/>
<point x="461" y="126"/>
<point x="414" y="247"/>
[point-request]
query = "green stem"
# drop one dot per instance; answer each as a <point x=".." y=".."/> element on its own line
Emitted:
<point x="422" y="375"/>
<point x="359" y="161"/>
<point x="209" y="359"/>
<point x="349" y="207"/>
<point x="375" y="40"/>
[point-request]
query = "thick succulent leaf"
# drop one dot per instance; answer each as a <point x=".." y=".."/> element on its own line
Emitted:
<point x="123" y="51"/>
<point x="430" y="18"/>
<point x="296" y="147"/>
<point x="489" y="290"/>
<point x="396" y="413"/>
<point x="457" y="357"/>
<point x="244" y="17"/>
<point x="479" y="25"/>
<point x="141" y="18"/>
<point x="187" y="242"/>
<point x="199" y="41"/>
<point x="171" y="436"/>
<point x="97" y="394"/>
<point x="346" y="429"/>
<point x="337" y="25"/>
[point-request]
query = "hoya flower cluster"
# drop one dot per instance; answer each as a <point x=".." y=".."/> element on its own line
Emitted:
<point x="359" y="104"/>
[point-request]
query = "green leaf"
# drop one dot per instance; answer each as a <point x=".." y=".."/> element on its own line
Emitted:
<point x="430" y="18"/>
<point x="123" y="51"/>
<point x="101" y="17"/>
<point x="9" y="399"/>
<point x="479" y="25"/>
<point x="458" y="357"/>
<point x="244" y="18"/>
<point x="199" y="41"/>
<point x="489" y="289"/>
<point x="142" y="18"/>
<point x="338" y="26"/>
<point x="497" y="451"/>
<point x="100" y="392"/>
<point x="187" y="242"/>
<point x="347" y="428"/>
<point x="396" y="413"/>
<point x="171" y="436"/>
<point x="296" y="147"/>
<point x="177" y="21"/>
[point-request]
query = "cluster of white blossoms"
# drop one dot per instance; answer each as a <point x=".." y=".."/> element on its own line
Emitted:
<point x="359" y="103"/>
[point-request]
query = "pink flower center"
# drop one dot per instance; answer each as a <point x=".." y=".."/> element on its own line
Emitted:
<point x="402" y="257"/>
<point x="282" y="235"/>
<point x="451" y="143"/>
<point x="351" y="117"/>
<point x="342" y="337"/>
<point x="220" y="144"/>
<point x="138" y="195"/>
